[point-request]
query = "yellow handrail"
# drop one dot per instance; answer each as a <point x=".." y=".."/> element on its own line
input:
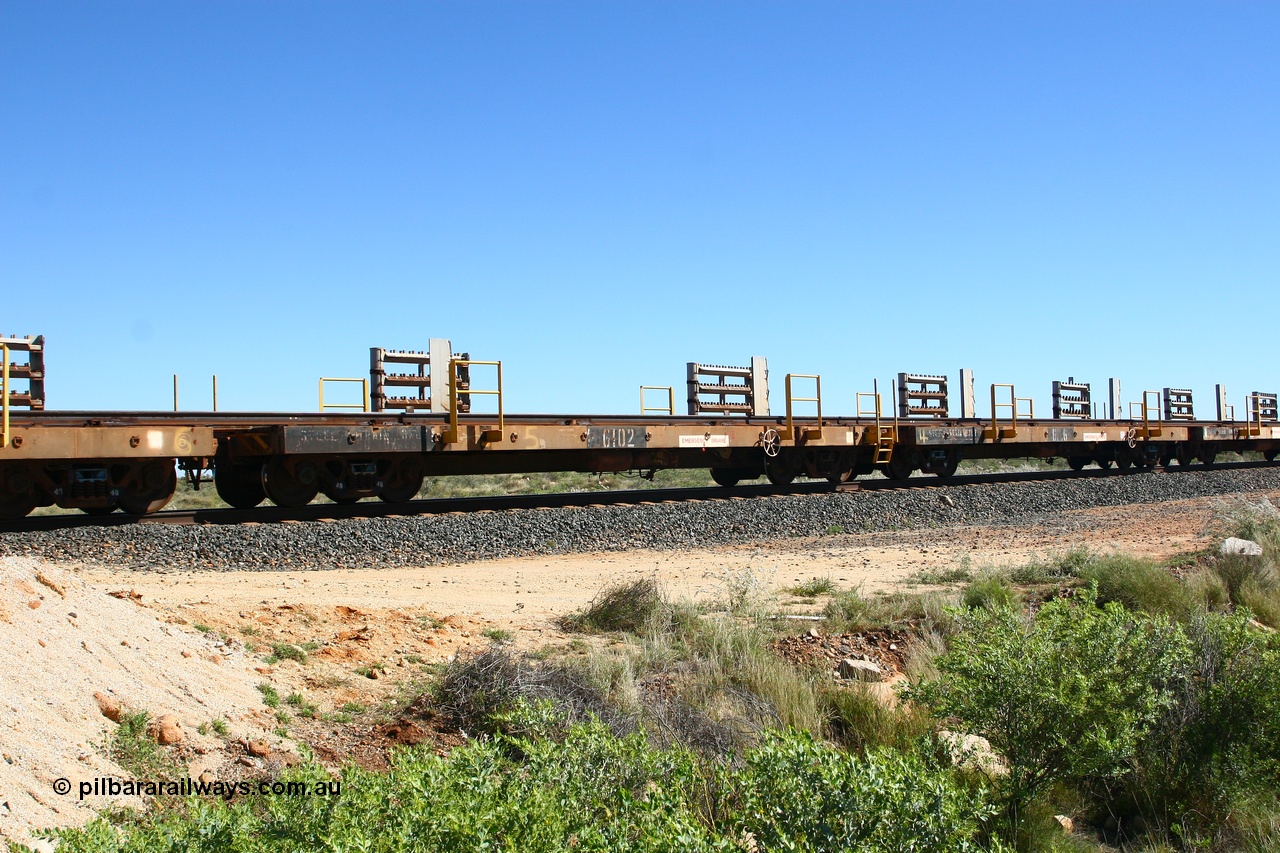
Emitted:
<point x="1253" y="413"/>
<point x="363" y="405"/>
<point x="4" y="432"/>
<point x="671" y="400"/>
<point x="817" y="398"/>
<point x="995" y="432"/>
<point x="1147" y="429"/>
<point x="451" y="436"/>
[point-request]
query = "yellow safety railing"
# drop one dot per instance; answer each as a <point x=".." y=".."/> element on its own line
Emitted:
<point x="1147" y="430"/>
<point x="669" y="409"/>
<point x="883" y="437"/>
<point x="1253" y="413"/>
<point x="489" y="435"/>
<point x="996" y="431"/>
<point x="816" y="399"/>
<point x="4" y="430"/>
<point x="363" y="405"/>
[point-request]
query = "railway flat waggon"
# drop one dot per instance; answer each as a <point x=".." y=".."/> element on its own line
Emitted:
<point x="129" y="461"/>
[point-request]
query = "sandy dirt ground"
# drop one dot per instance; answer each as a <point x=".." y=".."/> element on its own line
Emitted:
<point x="371" y="636"/>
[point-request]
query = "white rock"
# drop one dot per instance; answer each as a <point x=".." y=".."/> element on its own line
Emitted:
<point x="1245" y="547"/>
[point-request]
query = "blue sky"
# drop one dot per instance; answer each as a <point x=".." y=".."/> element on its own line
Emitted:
<point x="596" y="193"/>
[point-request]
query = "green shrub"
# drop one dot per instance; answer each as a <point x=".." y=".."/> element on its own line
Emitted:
<point x="578" y="789"/>
<point x="1054" y="569"/>
<point x="288" y="651"/>
<point x="860" y="720"/>
<point x="1207" y="591"/>
<point x="992" y="592"/>
<point x="1265" y="603"/>
<point x="851" y="611"/>
<point x="795" y="794"/>
<point x="1066" y="696"/>
<point x="814" y="586"/>
<point x="1237" y="570"/>
<point x="1138" y="584"/>
<point x="270" y="697"/>
<point x="1217" y="746"/>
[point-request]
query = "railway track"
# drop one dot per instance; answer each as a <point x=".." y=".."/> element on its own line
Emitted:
<point x="444" y="506"/>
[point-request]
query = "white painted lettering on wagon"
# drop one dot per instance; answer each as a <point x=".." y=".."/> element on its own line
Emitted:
<point x="704" y="441"/>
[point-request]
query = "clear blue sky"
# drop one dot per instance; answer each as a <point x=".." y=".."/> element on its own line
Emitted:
<point x="596" y="193"/>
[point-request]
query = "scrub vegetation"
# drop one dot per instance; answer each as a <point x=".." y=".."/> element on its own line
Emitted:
<point x="1085" y="702"/>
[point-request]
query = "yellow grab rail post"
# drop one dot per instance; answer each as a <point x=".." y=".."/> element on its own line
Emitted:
<point x="363" y="405"/>
<point x="1253" y="414"/>
<point x="1147" y="429"/>
<point x="995" y="431"/>
<point x="215" y="392"/>
<point x="489" y="435"/>
<point x="816" y="398"/>
<point x="175" y="392"/>
<point x="4" y="431"/>
<point x="881" y="439"/>
<point x="671" y="400"/>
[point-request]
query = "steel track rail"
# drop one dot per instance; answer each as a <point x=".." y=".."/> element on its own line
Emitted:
<point x="441" y="506"/>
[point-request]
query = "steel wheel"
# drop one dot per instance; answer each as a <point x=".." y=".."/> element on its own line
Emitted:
<point x="1104" y="464"/>
<point x="98" y="510"/>
<point x="899" y="466"/>
<point x="239" y="485"/>
<point x="1077" y="463"/>
<point x="14" y="507"/>
<point x="402" y="483"/>
<point x="151" y="490"/>
<point x="287" y="488"/>
<point x="727" y="477"/>
<point x="842" y="476"/>
<point x="949" y="467"/>
<point x="1208" y="456"/>
<point x="779" y="473"/>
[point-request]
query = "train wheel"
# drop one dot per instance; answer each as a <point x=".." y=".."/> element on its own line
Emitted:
<point x="841" y="477"/>
<point x="899" y="466"/>
<point x="779" y="473"/>
<point x="1104" y="464"/>
<point x="1077" y="463"/>
<point x="949" y="467"/>
<point x="1271" y="455"/>
<point x="1208" y="457"/>
<point x="1184" y="455"/>
<point x="14" y="507"/>
<point x="98" y="510"/>
<point x="1124" y="461"/>
<point x="295" y="488"/>
<point x="152" y="490"/>
<point x="240" y="485"/>
<point x="402" y="484"/>
<point x="727" y="477"/>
